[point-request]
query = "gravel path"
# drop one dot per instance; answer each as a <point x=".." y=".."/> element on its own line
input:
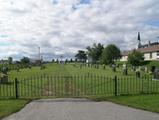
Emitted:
<point x="79" y="109"/>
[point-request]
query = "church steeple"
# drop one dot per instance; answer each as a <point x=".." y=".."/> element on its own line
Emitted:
<point x="139" y="40"/>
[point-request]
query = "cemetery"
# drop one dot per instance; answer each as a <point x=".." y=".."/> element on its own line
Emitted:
<point x="76" y="53"/>
<point x="79" y="80"/>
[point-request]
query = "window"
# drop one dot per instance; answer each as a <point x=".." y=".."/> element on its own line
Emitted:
<point x="150" y="55"/>
<point x="157" y="53"/>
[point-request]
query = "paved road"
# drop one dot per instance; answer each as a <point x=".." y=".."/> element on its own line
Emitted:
<point x="79" y="109"/>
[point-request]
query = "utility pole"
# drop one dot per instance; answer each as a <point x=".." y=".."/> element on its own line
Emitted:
<point x="39" y="54"/>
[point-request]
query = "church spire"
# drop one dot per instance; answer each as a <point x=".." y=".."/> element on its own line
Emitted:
<point x="139" y="40"/>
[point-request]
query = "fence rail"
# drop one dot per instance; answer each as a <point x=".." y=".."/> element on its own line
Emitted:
<point x="77" y="86"/>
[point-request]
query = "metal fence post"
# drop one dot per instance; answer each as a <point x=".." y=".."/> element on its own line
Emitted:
<point x="66" y="86"/>
<point x="115" y="86"/>
<point x="16" y="88"/>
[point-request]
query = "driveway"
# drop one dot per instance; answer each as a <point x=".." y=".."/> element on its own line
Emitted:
<point x="79" y="109"/>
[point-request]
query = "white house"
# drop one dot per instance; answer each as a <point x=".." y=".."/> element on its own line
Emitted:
<point x="150" y="51"/>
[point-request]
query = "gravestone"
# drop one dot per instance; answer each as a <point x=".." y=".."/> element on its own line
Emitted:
<point x="42" y="67"/>
<point x="156" y="74"/>
<point x="142" y="68"/>
<point x="3" y="78"/>
<point x="153" y="69"/>
<point x="104" y="67"/>
<point x="125" y="69"/>
<point x="29" y="66"/>
<point x="4" y="70"/>
<point x="114" y="68"/>
<point x="134" y="68"/>
<point x="138" y="74"/>
<point x="146" y="69"/>
<point x="117" y="66"/>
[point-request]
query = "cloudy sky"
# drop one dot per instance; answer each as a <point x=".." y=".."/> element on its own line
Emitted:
<point x="61" y="27"/>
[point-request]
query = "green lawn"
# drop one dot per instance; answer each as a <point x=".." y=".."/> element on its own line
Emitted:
<point x="10" y="106"/>
<point x="145" y="102"/>
<point x="68" y="69"/>
<point x="84" y="81"/>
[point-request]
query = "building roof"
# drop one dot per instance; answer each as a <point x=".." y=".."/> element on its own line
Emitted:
<point x="148" y="49"/>
<point x="151" y="48"/>
<point x="126" y="53"/>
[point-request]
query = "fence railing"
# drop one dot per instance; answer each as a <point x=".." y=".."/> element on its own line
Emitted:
<point x="77" y="86"/>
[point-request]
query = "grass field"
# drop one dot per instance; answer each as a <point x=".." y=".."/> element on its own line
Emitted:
<point x="71" y="80"/>
<point x="145" y="102"/>
<point x="8" y="107"/>
<point x="68" y="69"/>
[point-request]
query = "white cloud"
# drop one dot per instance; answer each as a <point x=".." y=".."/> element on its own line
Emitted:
<point x="64" y="26"/>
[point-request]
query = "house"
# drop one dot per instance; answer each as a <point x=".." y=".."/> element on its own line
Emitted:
<point x="150" y="50"/>
<point x="35" y="61"/>
<point x="4" y="61"/>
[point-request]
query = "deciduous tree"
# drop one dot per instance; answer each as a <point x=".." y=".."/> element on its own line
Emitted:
<point x="135" y="58"/>
<point x="95" y="52"/>
<point x="110" y="54"/>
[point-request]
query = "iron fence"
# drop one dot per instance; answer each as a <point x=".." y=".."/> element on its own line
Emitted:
<point x="77" y="86"/>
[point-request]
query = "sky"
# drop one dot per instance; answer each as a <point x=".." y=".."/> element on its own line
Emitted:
<point x="62" y="27"/>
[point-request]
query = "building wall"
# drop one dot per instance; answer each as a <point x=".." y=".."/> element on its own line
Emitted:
<point x="148" y="56"/>
<point x="124" y="58"/>
<point x="151" y="56"/>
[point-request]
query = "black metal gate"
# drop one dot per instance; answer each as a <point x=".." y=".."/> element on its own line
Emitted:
<point x="76" y="86"/>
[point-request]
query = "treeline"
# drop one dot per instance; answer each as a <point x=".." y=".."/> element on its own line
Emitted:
<point x="9" y="64"/>
<point x="99" y="54"/>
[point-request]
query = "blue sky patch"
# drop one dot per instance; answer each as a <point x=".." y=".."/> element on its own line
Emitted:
<point x="75" y="6"/>
<point x="85" y="1"/>
<point x="55" y="1"/>
<point x="153" y="23"/>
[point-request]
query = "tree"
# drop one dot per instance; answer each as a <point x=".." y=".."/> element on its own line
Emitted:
<point x="110" y="54"/>
<point x="57" y="60"/>
<point x="135" y="58"/>
<point x="10" y="60"/>
<point x="95" y="52"/>
<point x="81" y="56"/>
<point x="66" y="61"/>
<point x="53" y="60"/>
<point x="71" y="60"/>
<point x="25" y="60"/>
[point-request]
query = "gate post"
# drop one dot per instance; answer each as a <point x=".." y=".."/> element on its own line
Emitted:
<point x="115" y="86"/>
<point x="16" y="88"/>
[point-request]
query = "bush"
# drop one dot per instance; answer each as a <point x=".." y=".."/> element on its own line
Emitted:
<point x="136" y="58"/>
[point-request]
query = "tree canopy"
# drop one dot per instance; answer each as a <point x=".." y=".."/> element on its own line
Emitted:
<point x="95" y="52"/>
<point x="110" y="54"/>
<point x="25" y="60"/>
<point x="135" y="58"/>
<point x="10" y="60"/>
<point x="81" y="56"/>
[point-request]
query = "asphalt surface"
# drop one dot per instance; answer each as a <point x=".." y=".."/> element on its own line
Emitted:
<point x="79" y="109"/>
